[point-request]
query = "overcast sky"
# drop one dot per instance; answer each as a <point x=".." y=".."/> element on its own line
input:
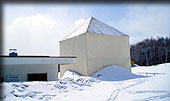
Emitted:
<point x="36" y="29"/>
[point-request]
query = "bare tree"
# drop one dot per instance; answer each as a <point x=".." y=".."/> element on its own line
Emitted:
<point x="151" y="51"/>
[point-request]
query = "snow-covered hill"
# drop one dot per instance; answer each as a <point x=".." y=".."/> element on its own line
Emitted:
<point x="112" y="83"/>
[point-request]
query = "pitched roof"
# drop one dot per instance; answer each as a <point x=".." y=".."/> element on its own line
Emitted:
<point x="93" y="25"/>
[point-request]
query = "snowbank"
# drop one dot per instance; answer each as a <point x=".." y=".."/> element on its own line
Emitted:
<point x="70" y="74"/>
<point x="77" y="78"/>
<point x="161" y="68"/>
<point x="74" y="87"/>
<point x="114" y="73"/>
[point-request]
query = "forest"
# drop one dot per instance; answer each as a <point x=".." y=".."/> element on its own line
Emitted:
<point x="151" y="51"/>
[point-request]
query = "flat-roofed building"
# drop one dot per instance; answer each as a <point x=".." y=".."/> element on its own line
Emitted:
<point x="32" y="68"/>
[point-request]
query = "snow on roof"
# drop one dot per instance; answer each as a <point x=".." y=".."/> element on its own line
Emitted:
<point x="93" y="25"/>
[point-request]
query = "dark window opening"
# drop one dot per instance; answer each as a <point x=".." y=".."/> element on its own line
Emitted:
<point x="2" y="80"/>
<point x="58" y="68"/>
<point x="37" y="77"/>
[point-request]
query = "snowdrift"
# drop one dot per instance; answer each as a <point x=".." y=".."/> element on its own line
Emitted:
<point x="75" y="87"/>
<point x="70" y="74"/>
<point x="114" y="73"/>
<point x="78" y="79"/>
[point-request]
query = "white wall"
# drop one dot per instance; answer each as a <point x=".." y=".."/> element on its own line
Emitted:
<point x="95" y="51"/>
<point x="104" y="50"/>
<point x="23" y="70"/>
<point x="74" y="47"/>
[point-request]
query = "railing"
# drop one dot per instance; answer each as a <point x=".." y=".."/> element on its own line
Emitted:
<point x="148" y="74"/>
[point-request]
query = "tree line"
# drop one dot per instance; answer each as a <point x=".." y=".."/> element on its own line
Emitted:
<point x="151" y="51"/>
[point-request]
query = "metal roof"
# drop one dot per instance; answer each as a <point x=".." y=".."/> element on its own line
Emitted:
<point x="93" y="25"/>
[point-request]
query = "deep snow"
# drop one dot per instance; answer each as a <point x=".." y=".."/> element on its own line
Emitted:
<point x="108" y="84"/>
<point x="114" y="73"/>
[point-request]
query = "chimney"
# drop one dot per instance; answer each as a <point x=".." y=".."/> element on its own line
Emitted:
<point x="13" y="52"/>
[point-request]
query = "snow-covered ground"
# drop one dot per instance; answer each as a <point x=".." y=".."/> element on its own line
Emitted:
<point x="112" y="83"/>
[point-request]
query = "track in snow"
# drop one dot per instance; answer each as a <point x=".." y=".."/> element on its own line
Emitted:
<point x="114" y="95"/>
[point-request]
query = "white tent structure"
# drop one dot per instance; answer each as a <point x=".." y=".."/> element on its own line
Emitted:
<point x="96" y="45"/>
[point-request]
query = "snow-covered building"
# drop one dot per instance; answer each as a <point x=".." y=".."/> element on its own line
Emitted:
<point x="32" y="68"/>
<point x="96" y="45"/>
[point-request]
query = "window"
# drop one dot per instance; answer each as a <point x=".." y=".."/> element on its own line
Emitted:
<point x="2" y="80"/>
<point x="37" y="77"/>
<point x="13" y="78"/>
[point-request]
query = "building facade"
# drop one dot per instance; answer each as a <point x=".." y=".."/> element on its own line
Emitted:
<point x="32" y="68"/>
<point x="96" y="45"/>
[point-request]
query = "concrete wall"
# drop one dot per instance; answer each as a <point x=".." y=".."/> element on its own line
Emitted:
<point x="95" y="51"/>
<point x="104" y="50"/>
<point x="23" y="70"/>
<point x="75" y="46"/>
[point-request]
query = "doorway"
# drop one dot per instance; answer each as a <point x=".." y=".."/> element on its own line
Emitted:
<point x="37" y="77"/>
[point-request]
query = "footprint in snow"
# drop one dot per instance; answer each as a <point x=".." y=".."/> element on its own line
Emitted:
<point x="47" y="97"/>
